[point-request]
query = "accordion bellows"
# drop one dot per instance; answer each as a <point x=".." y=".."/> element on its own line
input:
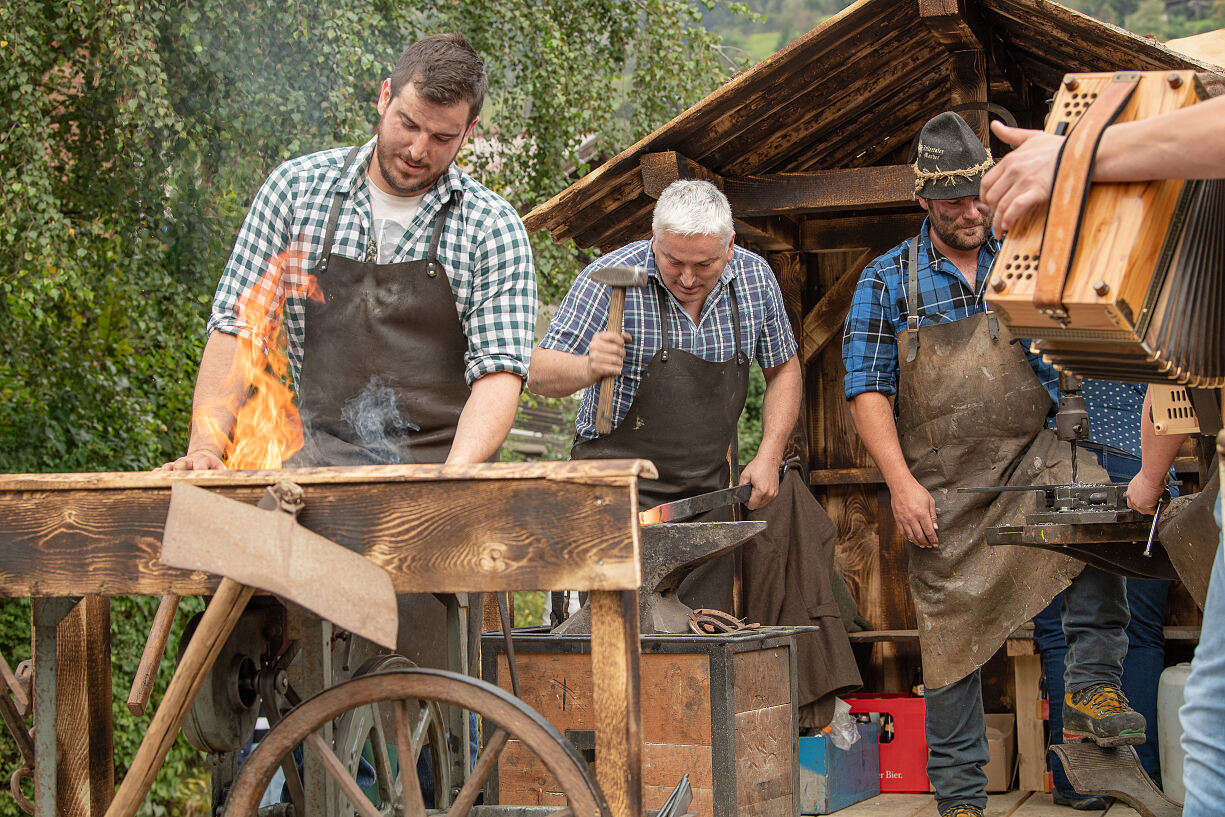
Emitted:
<point x="1132" y="286"/>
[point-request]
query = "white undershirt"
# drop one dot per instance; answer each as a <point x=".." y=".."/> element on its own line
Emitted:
<point x="390" y="217"/>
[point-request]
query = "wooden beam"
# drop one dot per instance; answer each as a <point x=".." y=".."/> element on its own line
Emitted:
<point x="500" y="526"/>
<point x="858" y="232"/>
<point x="845" y="476"/>
<point x="968" y="82"/>
<point x="661" y="169"/>
<point x="947" y="22"/>
<point x="770" y="235"/>
<point x="824" y="322"/>
<point x="823" y="190"/>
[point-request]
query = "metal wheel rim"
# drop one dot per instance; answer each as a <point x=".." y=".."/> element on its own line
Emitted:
<point x="494" y="705"/>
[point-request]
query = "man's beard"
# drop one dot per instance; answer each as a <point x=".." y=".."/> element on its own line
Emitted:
<point x="949" y="234"/>
<point x="388" y="160"/>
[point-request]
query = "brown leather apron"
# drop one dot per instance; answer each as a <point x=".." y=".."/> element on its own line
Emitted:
<point x="683" y="418"/>
<point x="382" y="381"/>
<point x="971" y="413"/>
<point x="382" y="377"/>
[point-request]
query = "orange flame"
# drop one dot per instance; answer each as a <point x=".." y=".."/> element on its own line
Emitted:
<point x="267" y="429"/>
<point x="651" y="516"/>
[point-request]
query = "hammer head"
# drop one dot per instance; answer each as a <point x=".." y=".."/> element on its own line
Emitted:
<point x="620" y="275"/>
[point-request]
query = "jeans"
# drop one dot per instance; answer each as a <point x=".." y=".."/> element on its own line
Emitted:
<point x="957" y="743"/>
<point x="1141" y="668"/>
<point x="1203" y="712"/>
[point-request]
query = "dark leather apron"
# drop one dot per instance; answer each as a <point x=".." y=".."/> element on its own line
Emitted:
<point x="683" y="418"/>
<point x="382" y="381"/>
<point x="971" y="413"/>
<point x="382" y="376"/>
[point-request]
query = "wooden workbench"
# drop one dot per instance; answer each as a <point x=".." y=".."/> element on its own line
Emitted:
<point x="434" y="528"/>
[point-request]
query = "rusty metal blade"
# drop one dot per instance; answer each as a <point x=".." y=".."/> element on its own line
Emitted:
<point x="694" y="505"/>
<point x="269" y="550"/>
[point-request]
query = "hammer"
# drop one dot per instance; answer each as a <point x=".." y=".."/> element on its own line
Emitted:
<point x="618" y="277"/>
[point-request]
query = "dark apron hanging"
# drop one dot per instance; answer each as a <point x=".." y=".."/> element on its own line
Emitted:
<point x="683" y="418"/>
<point x="382" y="376"/>
<point x="971" y="413"/>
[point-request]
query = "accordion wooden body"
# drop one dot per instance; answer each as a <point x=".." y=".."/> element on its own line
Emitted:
<point x="1120" y="281"/>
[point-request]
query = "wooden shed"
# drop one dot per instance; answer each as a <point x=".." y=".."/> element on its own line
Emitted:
<point x="811" y="147"/>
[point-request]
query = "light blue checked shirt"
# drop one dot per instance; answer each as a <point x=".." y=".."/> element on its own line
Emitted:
<point x="484" y="248"/>
<point x="765" y="332"/>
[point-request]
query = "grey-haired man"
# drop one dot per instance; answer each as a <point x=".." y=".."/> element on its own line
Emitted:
<point x="971" y="410"/>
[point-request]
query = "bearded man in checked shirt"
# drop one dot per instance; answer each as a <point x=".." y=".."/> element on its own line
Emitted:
<point x="419" y="347"/>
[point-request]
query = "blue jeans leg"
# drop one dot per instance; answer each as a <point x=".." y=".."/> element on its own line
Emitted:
<point x="957" y="743"/>
<point x="1094" y="625"/>
<point x="1203" y="712"/>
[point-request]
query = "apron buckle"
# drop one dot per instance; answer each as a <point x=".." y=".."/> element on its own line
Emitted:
<point x="912" y="338"/>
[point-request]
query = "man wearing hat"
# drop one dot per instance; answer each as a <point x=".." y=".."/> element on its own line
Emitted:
<point x="970" y="411"/>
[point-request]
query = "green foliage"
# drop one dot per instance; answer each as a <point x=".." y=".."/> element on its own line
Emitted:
<point x="748" y="431"/>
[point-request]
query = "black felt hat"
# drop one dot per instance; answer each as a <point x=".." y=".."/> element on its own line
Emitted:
<point x="949" y="160"/>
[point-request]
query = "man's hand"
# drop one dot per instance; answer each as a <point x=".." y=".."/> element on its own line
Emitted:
<point x="1143" y="492"/>
<point x="762" y="472"/>
<point x="200" y="460"/>
<point x="1023" y="178"/>
<point x="914" y="511"/>
<point x="606" y="355"/>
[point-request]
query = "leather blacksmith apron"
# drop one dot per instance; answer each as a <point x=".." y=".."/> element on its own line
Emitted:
<point x="683" y="418"/>
<point x="384" y="350"/>
<point x="971" y="413"/>
<point x="382" y="377"/>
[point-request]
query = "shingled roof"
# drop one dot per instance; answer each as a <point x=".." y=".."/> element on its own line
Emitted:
<point x="824" y="126"/>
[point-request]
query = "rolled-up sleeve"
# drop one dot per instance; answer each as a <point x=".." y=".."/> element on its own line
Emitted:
<point x="869" y="343"/>
<point x="502" y="317"/>
<point x="777" y="342"/>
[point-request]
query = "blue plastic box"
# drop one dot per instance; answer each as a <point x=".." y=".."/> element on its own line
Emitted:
<point x="833" y="778"/>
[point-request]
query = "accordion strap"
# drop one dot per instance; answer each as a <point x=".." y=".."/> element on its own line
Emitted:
<point x="1070" y="191"/>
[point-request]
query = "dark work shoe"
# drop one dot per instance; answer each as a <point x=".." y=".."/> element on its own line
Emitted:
<point x="963" y="811"/>
<point x="1100" y="713"/>
<point x="1095" y="803"/>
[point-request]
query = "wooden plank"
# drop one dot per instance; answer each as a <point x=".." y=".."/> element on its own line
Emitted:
<point x="968" y="83"/>
<point x="703" y="802"/>
<point x="618" y="714"/>
<point x="947" y="22"/>
<point x="824" y="322"/>
<point x="891" y="805"/>
<point x="661" y="169"/>
<point x="1031" y="743"/>
<point x="846" y="476"/>
<point x="858" y="232"/>
<point x="768" y="234"/>
<point x="518" y="526"/>
<point x="85" y="774"/>
<point x="676" y="689"/>
<point x="821" y="190"/>
<point x="762" y="679"/>
<point x="765" y="751"/>
<point x="1040" y="804"/>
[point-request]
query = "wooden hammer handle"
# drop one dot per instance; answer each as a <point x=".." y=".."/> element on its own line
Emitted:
<point x="603" y="411"/>
<point x="146" y="671"/>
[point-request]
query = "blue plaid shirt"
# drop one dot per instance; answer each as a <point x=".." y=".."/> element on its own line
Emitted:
<point x="878" y="312"/>
<point x="765" y="332"/>
<point x="484" y="248"/>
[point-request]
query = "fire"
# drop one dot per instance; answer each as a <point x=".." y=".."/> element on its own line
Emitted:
<point x="649" y="517"/>
<point x="267" y="429"/>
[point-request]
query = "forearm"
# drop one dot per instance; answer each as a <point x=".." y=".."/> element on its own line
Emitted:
<point x="1157" y="452"/>
<point x="553" y="373"/>
<point x="486" y="418"/>
<point x="217" y="396"/>
<point x="873" y="417"/>
<point x="1183" y="144"/>
<point x="779" y="408"/>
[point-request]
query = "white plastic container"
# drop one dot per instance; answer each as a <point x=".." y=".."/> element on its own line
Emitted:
<point x="1169" y="729"/>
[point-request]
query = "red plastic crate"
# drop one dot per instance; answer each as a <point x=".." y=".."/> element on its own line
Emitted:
<point x="903" y="759"/>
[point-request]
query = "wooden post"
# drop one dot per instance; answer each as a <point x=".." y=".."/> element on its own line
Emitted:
<point x="618" y="713"/>
<point x="1031" y="744"/>
<point x="968" y="77"/>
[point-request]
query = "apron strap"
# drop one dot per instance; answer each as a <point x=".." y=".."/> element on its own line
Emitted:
<point x="440" y="222"/>
<point x="912" y="302"/>
<point x="661" y="304"/>
<point x="334" y="213"/>
<point x="741" y="359"/>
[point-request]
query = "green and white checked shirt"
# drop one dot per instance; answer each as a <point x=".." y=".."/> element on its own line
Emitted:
<point x="484" y="248"/>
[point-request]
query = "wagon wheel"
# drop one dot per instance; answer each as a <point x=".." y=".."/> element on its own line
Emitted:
<point x="402" y="691"/>
<point x="370" y="731"/>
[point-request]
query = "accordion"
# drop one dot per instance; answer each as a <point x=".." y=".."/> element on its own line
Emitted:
<point x="1120" y="281"/>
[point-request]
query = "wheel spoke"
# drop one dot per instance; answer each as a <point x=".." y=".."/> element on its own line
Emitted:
<point x="410" y="786"/>
<point x="421" y="727"/>
<point x="480" y="773"/>
<point x="337" y="771"/>
<point x="382" y="762"/>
